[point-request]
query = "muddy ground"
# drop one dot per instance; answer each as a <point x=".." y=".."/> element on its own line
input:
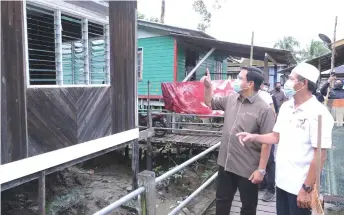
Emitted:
<point x="86" y="188"/>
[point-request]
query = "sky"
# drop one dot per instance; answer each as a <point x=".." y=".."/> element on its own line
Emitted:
<point x="269" y="19"/>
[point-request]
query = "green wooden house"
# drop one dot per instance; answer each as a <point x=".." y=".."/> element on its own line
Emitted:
<point x="168" y="54"/>
<point x="165" y="54"/>
<point x="162" y="58"/>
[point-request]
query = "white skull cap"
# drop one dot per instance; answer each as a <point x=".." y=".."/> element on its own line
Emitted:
<point x="308" y="71"/>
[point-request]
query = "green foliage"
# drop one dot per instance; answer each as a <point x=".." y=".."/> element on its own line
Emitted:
<point x="64" y="201"/>
<point x="172" y="179"/>
<point x="291" y="44"/>
<point x="313" y="49"/>
<point x="205" y="14"/>
<point x="201" y="8"/>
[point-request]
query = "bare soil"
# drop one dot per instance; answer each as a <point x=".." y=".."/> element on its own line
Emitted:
<point x="85" y="189"/>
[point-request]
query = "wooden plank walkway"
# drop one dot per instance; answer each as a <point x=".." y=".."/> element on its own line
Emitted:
<point x="187" y="140"/>
<point x="264" y="208"/>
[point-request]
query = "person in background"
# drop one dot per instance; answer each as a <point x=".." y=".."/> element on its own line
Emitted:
<point x="319" y="96"/>
<point x="296" y="132"/>
<point x="268" y="184"/>
<point x="337" y="92"/>
<point x="265" y="95"/>
<point x="279" y="94"/>
<point x="241" y="167"/>
<point x="266" y="87"/>
<point x="284" y="78"/>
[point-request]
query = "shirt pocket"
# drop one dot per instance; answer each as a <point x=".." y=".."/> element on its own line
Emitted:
<point x="298" y="132"/>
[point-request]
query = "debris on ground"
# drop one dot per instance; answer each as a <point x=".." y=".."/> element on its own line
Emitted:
<point x="87" y="188"/>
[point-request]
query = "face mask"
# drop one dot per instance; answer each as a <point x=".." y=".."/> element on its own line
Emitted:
<point x="237" y="86"/>
<point x="265" y="89"/>
<point x="278" y="88"/>
<point x="289" y="89"/>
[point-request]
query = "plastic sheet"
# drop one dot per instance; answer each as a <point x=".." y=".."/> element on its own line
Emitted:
<point x="188" y="97"/>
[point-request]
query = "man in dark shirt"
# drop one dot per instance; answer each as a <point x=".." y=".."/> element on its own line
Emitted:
<point x="241" y="167"/>
<point x="279" y="94"/>
<point x="337" y="92"/>
<point x="319" y="96"/>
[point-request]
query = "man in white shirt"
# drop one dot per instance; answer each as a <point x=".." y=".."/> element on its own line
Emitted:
<point x="296" y="132"/>
<point x="265" y="95"/>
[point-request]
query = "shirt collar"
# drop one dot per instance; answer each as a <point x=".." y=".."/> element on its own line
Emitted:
<point x="303" y="106"/>
<point x="251" y="99"/>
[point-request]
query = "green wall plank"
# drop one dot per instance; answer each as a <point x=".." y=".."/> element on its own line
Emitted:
<point x="158" y="58"/>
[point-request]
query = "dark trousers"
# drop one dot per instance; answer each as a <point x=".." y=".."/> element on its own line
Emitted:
<point x="286" y="204"/>
<point x="269" y="179"/>
<point x="227" y="185"/>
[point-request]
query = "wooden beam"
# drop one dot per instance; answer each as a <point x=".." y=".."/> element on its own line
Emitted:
<point x="198" y="65"/>
<point x="251" y="52"/>
<point x="271" y="59"/>
<point x="339" y="43"/>
<point x="266" y="68"/>
<point x="31" y="165"/>
<point x="122" y="32"/>
<point x="122" y="63"/>
<point x="14" y="144"/>
<point x="41" y="194"/>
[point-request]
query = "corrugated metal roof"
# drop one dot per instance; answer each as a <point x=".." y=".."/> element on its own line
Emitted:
<point x="337" y="70"/>
<point x="172" y="29"/>
<point x="236" y="49"/>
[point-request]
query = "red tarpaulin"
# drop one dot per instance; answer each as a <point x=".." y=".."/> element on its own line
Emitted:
<point x="188" y="97"/>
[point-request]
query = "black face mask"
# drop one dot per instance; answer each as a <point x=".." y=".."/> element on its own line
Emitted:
<point x="278" y="88"/>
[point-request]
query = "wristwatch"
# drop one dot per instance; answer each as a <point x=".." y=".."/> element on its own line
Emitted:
<point x="307" y="188"/>
<point x="262" y="171"/>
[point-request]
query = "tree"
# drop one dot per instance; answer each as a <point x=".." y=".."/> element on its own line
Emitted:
<point x="201" y="8"/>
<point x="205" y="14"/>
<point x="291" y="44"/>
<point x="162" y="14"/>
<point x="313" y="50"/>
<point x="144" y="17"/>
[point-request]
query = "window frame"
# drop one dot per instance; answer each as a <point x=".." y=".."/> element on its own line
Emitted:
<point x="139" y="73"/>
<point x="218" y="70"/>
<point x="70" y="10"/>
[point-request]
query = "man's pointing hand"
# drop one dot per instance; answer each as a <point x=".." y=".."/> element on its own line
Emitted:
<point x="206" y="79"/>
<point x="245" y="137"/>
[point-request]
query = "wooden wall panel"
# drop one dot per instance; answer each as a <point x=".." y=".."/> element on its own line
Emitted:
<point x="61" y="117"/>
<point x="13" y="83"/>
<point x="52" y="115"/>
<point x="94" y="113"/>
